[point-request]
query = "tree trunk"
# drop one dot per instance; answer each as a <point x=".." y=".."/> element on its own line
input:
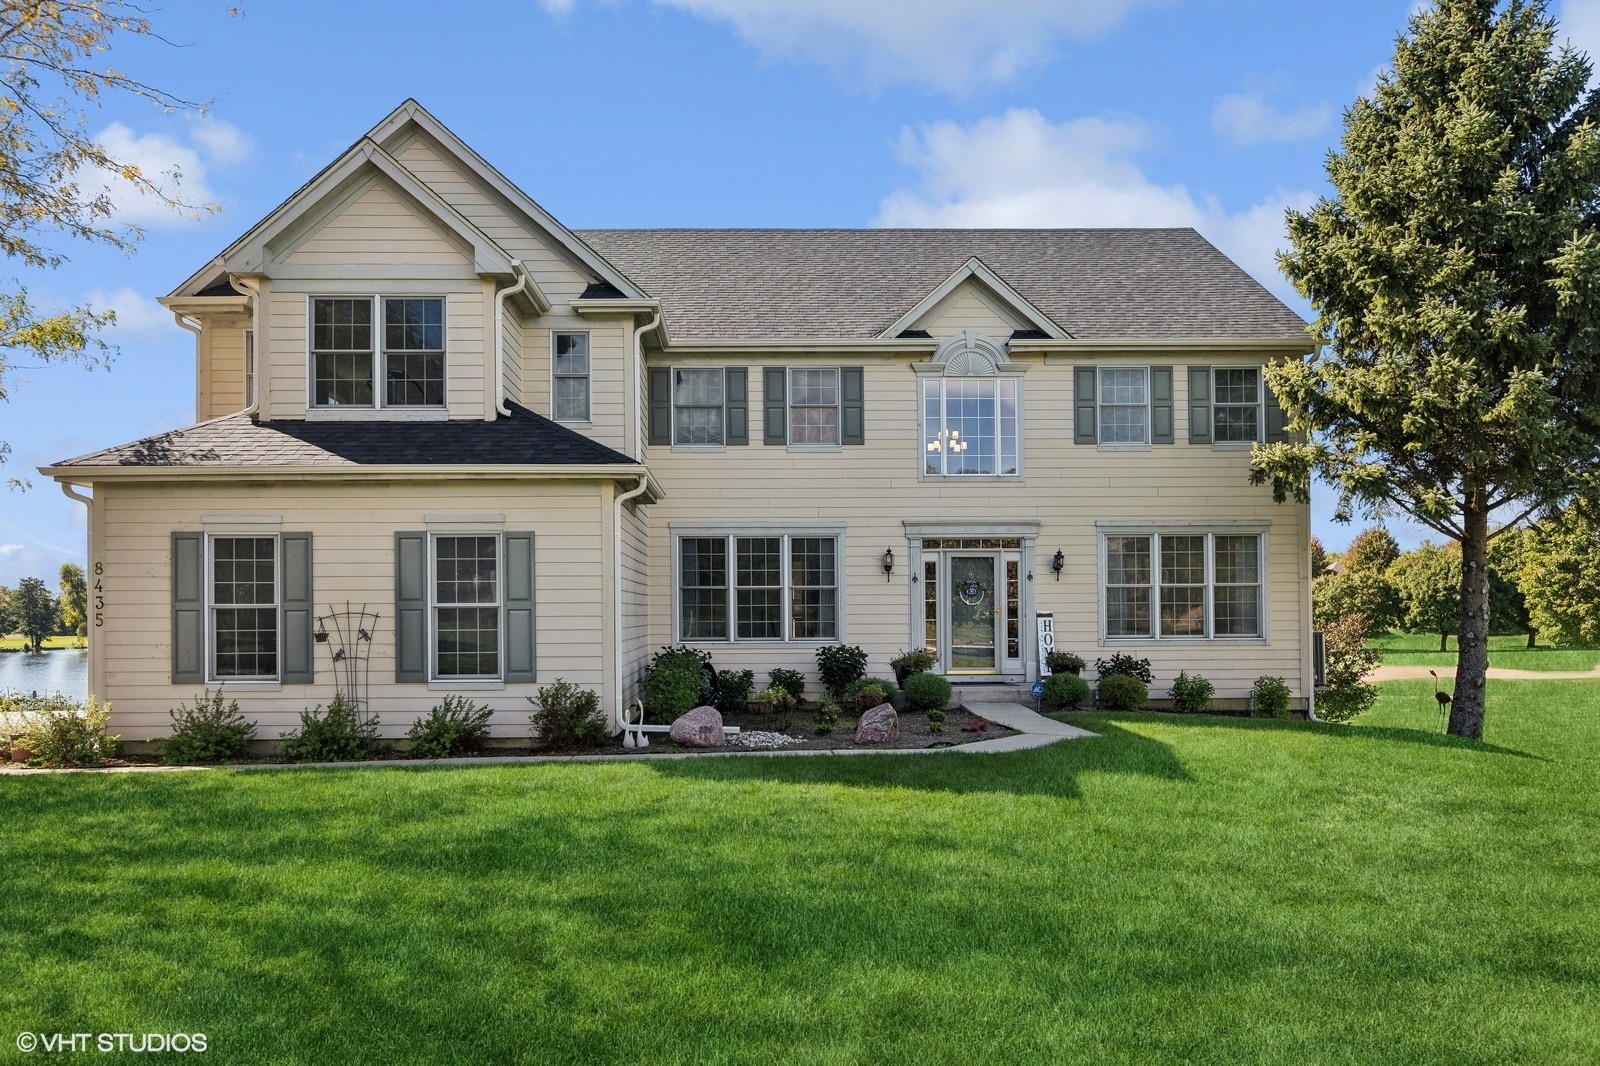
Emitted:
<point x="1443" y="638"/>
<point x="1472" y="643"/>
<point x="1531" y="635"/>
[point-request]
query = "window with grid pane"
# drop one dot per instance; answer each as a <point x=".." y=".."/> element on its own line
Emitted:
<point x="341" y="352"/>
<point x="703" y="588"/>
<point x="814" y="588"/>
<point x="244" y="607"/>
<point x="697" y="410"/>
<point x="1236" y="405"/>
<point x="779" y="587"/>
<point x="814" y="406"/>
<point x="1183" y="586"/>
<point x="758" y="598"/>
<point x="466" y="598"/>
<point x="413" y="352"/>
<point x="571" y="377"/>
<point x="969" y="426"/>
<point x="1237" y="569"/>
<point x="1124" y="405"/>
<point x="1128" y="586"/>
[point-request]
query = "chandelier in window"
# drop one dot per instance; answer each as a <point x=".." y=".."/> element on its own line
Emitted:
<point x="948" y="440"/>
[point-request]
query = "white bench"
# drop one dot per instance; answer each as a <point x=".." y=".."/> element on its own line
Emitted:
<point x="635" y="733"/>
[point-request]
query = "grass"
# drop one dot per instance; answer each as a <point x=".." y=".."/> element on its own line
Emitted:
<point x="1422" y="649"/>
<point x="50" y="643"/>
<point x="1180" y="889"/>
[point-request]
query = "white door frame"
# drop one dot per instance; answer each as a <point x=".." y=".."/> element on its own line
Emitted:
<point x="1027" y="534"/>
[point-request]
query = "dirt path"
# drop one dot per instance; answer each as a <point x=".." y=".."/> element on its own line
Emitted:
<point x="1496" y="673"/>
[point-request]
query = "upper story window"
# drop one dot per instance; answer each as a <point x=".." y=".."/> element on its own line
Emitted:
<point x="570" y="377"/>
<point x="346" y="360"/>
<point x="697" y="405"/>
<point x="813" y="405"/>
<point x="1236" y="407"/>
<point x="971" y="411"/>
<point x="1124" y="403"/>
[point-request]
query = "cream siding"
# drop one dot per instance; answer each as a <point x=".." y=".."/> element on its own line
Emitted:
<point x="379" y="226"/>
<point x="511" y="354"/>
<point x="220" y="352"/>
<point x="971" y="307"/>
<point x="634" y="592"/>
<point x="608" y="358"/>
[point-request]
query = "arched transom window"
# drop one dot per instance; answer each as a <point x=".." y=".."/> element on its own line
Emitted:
<point x="971" y="410"/>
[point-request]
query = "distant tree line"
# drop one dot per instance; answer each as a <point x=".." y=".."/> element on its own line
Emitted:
<point x="34" y="611"/>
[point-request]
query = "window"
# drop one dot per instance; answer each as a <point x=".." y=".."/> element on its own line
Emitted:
<point x="570" y="370"/>
<point x="779" y="587"/>
<point x="697" y="406"/>
<point x="1236" y="410"/>
<point x="243" y="590"/>
<point x="1183" y="585"/>
<point x="814" y="406"/>
<point x="343" y="353"/>
<point x="466" y="607"/>
<point x="1124" y="415"/>
<point x="969" y="426"/>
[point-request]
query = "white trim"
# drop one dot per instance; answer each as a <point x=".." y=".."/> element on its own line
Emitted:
<point x="731" y="532"/>
<point x="376" y="414"/>
<point x="434" y="606"/>
<point x="1185" y="528"/>
<point x="465" y="524"/>
<point x="1261" y="407"/>
<point x="210" y="606"/>
<point x="588" y="377"/>
<point x="673" y="371"/>
<point x="243" y="524"/>
<point x="789" y="406"/>
<point x="975" y="269"/>
<point x="379" y="352"/>
<point x="924" y="475"/>
<point x="1025" y="531"/>
<point x="1100" y="406"/>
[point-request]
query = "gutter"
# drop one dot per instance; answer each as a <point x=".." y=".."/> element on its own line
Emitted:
<point x="252" y="403"/>
<point x="89" y="474"/>
<point x="616" y="589"/>
<point x="192" y="326"/>
<point x="633" y="391"/>
<point x="500" y="297"/>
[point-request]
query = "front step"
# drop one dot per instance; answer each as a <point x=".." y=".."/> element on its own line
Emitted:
<point x="969" y="695"/>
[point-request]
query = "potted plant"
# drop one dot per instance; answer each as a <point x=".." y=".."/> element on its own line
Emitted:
<point x="20" y="752"/>
<point x="763" y="701"/>
<point x="905" y="664"/>
<point x="1064" y="662"/>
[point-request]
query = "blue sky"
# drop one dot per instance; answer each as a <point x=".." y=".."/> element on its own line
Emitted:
<point x="706" y="113"/>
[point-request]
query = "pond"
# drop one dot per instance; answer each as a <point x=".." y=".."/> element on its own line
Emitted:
<point x="66" y="672"/>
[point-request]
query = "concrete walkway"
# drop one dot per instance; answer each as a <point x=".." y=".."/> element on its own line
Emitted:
<point x="1496" y="673"/>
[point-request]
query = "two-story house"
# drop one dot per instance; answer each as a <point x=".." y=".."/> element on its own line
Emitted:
<point x="533" y="453"/>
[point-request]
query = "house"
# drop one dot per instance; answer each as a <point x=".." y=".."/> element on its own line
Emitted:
<point x="507" y="452"/>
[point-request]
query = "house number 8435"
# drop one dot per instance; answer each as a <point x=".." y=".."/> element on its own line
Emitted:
<point x="99" y="595"/>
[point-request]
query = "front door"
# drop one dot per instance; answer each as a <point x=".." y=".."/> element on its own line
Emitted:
<point x="974" y="620"/>
<point x="971" y="609"/>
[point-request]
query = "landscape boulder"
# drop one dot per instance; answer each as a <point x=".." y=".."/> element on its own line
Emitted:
<point x="699" y="728"/>
<point x="878" y="726"/>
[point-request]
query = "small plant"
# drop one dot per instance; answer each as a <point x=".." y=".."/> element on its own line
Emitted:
<point x="207" y="731"/>
<point x="840" y="665"/>
<point x="452" y="729"/>
<point x="936" y="719"/>
<point x="827" y="716"/>
<point x="927" y="692"/>
<point x="1126" y="665"/>
<point x="1063" y="662"/>
<point x="1269" y="697"/>
<point x="676" y="682"/>
<point x="885" y="687"/>
<point x="1347" y="661"/>
<point x="791" y="681"/>
<point x="1064" y="690"/>
<point x="62" y="732"/>
<point x="337" y="735"/>
<point x="733" y="690"/>
<point x="768" y="699"/>
<point x="1123" y="692"/>
<point x="907" y="663"/>
<point x="870" y="696"/>
<point x="567" y="716"/>
<point x="1191" y="693"/>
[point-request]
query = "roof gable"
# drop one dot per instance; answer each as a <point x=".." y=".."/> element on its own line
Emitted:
<point x="977" y="280"/>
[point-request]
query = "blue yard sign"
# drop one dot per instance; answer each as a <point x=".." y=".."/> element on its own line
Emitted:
<point x="1038" y="690"/>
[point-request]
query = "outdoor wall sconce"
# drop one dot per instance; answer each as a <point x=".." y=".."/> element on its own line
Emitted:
<point x="1058" y="563"/>
<point x="888" y="563"/>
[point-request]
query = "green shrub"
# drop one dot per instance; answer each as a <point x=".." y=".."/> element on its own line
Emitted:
<point x="338" y="735"/>
<point x="778" y="697"/>
<point x="1126" y="665"/>
<point x="207" y="731"/>
<point x="62" y="732"/>
<point x="841" y="665"/>
<point x="1123" y="692"/>
<point x="1346" y="662"/>
<point x="733" y="690"/>
<point x="1066" y="690"/>
<point x="886" y="687"/>
<point x="1269" y="698"/>
<point x="452" y="729"/>
<point x="927" y="692"/>
<point x="1063" y="662"/>
<point x="827" y="716"/>
<point x="569" y="717"/>
<point x="936" y="719"/>
<point x="791" y="681"/>
<point x="870" y="696"/>
<point x="1191" y="694"/>
<point x="676" y="683"/>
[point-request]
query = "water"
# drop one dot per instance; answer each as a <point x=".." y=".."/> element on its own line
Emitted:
<point x="66" y="672"/>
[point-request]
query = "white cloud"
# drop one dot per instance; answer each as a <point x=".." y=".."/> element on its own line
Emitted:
<point x="1019" y="169"/>
<point x="137" y="315"/>
<point x="952" y="45"/>
<point x="222" y="143"/>
<point x="1247" y="118"/>
<point x="556" y="7"/>
<point x="8" y="550"/>
<point x="177" y="167"/>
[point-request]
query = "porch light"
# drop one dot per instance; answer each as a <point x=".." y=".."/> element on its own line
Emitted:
<point x="1058" y="562"/>
<point x="888" y="563"/>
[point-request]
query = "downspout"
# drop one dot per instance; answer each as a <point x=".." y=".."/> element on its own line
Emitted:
<point x="500" y="298"/>
<point x="616" y="590"/>
<point x="253" y="403"/>
<point x="88" y="575"/>
<point x="633" y="390"/>
<point x="192" y="326"/>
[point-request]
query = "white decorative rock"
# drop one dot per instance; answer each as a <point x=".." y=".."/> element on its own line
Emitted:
<point x="700" y="728"/>
<point x="878" y="726"/>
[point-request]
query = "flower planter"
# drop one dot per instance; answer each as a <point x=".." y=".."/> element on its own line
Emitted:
<point x="758" y="706"/>
<point x="20" y="752"/>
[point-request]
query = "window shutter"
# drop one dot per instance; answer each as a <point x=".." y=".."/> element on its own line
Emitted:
<point x="660" y="405"/>
<point x="519" y="608"/>
<point x="1161" y="405"/>
<point x="188" y="608"/>
<point x="1277" y="420"/>
<point x="299" y="666"/>
<point x="852" y="412"/>
<point x="1083" y="405"/>
<point x="775" y="405"/>
<point x="410" y="607"/>
<point x="736" y="384"/>
<point x="1199" y="405"/>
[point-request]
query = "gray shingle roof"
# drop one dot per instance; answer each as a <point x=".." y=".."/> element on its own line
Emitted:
<point x="793" y="284"/>
<point x="524" y="439"/>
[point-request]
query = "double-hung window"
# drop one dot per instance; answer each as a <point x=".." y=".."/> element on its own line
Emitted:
<point x="813" y="405"/>
<point x="698" y="405"/>
<point x="466" y="607"/>
<point x="769" y="587"/>
<point x="1124" y="405"/>
<point x="349" y="355"/>
<point x="1236" y="405"/>
<point x="1183" y="584"/>
<point x="244" y="619"/>
<point x="969" y="426"/>
<point x="570" y="377"/>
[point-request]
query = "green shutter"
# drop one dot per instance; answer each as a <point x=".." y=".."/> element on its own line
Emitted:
<point x="519" y="608"/>
<point x="410" y="607"/>
<point x="737" y="383"/>
<point x="775" y="405"/>
<point x="299" y="665"/>
<point x="1199" y="405"/>
<point x="1161" y="405"/>
<point x="660" y="405"/>
<point x="1083" y="405"/>
<point x="188" y="608"/>
<point x="1277" y="420"/>
<point x="852" y="414"/>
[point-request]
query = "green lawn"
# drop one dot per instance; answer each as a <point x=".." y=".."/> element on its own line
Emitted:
<point x="18" y="643"/>
<point x="1180" y="889"/>
<point x="1422" y="649"/>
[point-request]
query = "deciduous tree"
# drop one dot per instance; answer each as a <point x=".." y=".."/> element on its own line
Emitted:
<point x="1428" y="579"/>
<point x="74" y="599"/>
<point x="36" y="611"/>
<point x="1561" y="577"/>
